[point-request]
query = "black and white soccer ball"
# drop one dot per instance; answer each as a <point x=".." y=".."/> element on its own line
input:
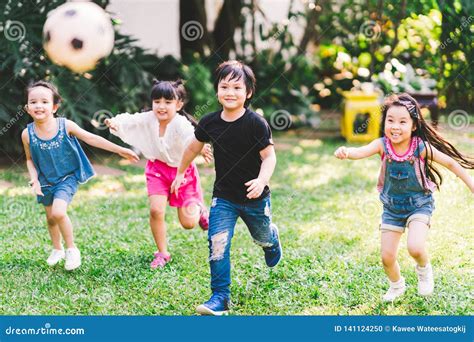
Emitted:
<point x="77" y="35"/>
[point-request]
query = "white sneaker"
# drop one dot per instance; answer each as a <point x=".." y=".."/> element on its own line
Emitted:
<point x="396" y="290"/>
<point x="425" y="280"/>
<point x="56" y="256"/>
<point x="73" y="259"/>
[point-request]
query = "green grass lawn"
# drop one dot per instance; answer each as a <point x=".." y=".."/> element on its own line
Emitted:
<point x="328" y="213"/>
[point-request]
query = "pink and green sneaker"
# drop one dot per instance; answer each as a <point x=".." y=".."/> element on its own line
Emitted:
<point x="204" y="218"/>
<point x="160" y="260"/>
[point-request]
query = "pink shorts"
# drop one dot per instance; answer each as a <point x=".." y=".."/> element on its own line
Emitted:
<point x="159" y="177"/>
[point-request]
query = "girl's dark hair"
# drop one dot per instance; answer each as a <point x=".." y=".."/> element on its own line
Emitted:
<point x="172" y="90"/>
<point x="428" y="135"/>
<point x="56" y="97"/>
<point x="237" y="70"/>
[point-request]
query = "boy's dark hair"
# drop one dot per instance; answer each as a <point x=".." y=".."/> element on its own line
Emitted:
<point x="56" y="97"/>
<point x="428" y="135"/>
<point x="172" y="90"/>
<point x="237" y="70"/>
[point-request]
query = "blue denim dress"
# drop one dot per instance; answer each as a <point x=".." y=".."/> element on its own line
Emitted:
<point x="401" y="190"/>
<point x="60" y="162"/>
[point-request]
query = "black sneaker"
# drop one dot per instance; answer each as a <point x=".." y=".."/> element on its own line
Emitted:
<point x="217" y="305"/>
<point x="274" y="253"/>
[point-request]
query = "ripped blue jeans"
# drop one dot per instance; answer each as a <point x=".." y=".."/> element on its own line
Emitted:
<point x="222" y="220"/>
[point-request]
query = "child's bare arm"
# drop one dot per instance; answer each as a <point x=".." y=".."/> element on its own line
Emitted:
<point x="359" y="152"/>
<point x="190" y="153"/>
<point x="453" y="166"/>
<point x="35" y="184"/>
<point x="98" y="141"/>
<point x="255" y="186"/>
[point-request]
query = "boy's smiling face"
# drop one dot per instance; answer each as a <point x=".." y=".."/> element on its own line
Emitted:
<point x="232" y="93"/>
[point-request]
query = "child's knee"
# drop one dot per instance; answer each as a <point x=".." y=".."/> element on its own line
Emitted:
<point x="388" y="258"/>
<point x="218" y="245"/>
<point x="157" y="213"/>
<point x="50" y="220"/>
<point x="416" y="250"/>
<point x="187" y="223"/>
<point x="57" y="215"/>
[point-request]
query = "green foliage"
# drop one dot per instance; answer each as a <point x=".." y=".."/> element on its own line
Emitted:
<point x="119" y="83"/>
<point x="457" y="53"/>
<point x="355" y="41"/>
<point x="199" y="84"/>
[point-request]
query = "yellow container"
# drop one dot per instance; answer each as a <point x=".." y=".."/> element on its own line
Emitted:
<point x="361" y="117"/>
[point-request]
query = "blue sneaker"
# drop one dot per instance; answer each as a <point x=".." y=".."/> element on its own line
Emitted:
<point x="217" y="305"/>
<point x="274" y="253"/>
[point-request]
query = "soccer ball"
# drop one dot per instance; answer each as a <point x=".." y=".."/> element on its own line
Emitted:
<point x="77" y="35"/>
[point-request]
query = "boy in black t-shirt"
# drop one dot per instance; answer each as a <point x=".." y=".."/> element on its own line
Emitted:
<point x="245" y="160"/>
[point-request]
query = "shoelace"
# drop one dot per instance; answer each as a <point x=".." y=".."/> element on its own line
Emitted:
<point x="423" y="276"/>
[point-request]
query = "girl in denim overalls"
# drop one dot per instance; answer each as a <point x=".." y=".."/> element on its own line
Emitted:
<point x="56" y="164"/>
<point x="406" y="182"/>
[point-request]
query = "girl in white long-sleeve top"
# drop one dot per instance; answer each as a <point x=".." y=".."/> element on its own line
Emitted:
<point x="162" y="135"/>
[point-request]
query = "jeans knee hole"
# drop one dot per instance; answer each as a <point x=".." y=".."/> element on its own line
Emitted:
<point x="218" y="245"/>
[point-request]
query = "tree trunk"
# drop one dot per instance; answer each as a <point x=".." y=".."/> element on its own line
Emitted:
<point x="226" y="23"/>
<point x="193" y="34"/>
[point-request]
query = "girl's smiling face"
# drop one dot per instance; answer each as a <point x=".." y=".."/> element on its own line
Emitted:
<point x="398" y="125"/>
<point x="165" y="109"/>
<point x="40" y="103"/>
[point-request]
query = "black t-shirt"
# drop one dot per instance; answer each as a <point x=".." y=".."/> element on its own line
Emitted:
<point x="237" y="147"/>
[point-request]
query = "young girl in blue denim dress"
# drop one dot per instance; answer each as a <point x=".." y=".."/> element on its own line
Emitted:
<point x="56" y="164"/>
<point x="406" y="182"/>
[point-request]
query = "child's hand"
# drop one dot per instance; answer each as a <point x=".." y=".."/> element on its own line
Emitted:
<point x="129" y="154"/>
<point x="255" y="188"/>
<point x="342" y="153"/>
<point x="109" y="123"/>
<point x="207" y="153"/>
<point x="177" y="183"/>
<point x="36" y="188"/>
